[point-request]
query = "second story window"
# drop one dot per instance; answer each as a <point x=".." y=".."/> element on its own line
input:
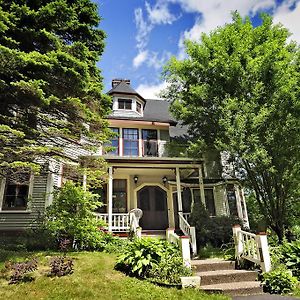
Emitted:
<point x="115" y="142"/>
<point x="150" y="142"/>
<point x="130" y="142"/>
<point x="124" y="104"/>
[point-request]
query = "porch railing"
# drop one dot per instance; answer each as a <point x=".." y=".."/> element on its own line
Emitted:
<point x="252" y="247"/>
<point x="189" y="231"/>
<point x="186" y="215"/>
<point x="120" y="222"/>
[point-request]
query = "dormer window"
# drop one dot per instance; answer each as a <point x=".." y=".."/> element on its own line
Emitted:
<point x="124" y="104"/>
<point x="139" y="107"/>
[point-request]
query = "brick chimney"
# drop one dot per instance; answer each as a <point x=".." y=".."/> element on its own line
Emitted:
<point x="117" y="81"/>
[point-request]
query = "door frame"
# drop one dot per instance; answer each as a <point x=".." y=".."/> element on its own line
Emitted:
<point x="168" y="193"/>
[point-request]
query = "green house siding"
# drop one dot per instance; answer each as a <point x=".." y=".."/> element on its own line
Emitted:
<point x="27" y="219"/>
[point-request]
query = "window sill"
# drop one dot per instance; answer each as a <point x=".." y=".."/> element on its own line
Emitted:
<point x="15" y="211"/>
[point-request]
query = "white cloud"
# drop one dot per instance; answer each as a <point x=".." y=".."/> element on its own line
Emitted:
<point x="143" y="29"/>
<point x="214" y="13"/>
<point x="160" y="13"/>
<point x="140" y="58"/>
<point x="156" y="61"/>
<point x="151" y="91"/>
<point x="289" y="17"/>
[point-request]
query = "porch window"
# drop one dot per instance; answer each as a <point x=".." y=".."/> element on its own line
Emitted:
<point x="130" y="142"/>
<point x="125" y="104"/>
<point x="150" y="142"/>
<point x="231" y="198"/>
<point x="119" y="195"/>
<point x="15" y="196"/>
<point x="209" y="200"/>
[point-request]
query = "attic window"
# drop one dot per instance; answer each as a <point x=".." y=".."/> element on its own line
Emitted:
<point x="139" y="107"/>
<point x="124" y="104"/>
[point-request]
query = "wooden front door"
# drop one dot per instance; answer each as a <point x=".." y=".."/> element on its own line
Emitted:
<point x="152" y="200"/>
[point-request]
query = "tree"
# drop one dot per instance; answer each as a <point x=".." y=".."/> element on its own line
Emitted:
<point x="238" y="90"/>
<point x="50" y="86"/>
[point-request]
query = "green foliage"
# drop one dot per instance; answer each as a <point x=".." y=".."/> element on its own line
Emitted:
<point x="169" y="270"/>
<point x="50" y="86"/>
<point x="214" y="231"/>
<point x="238" y="90"/>
<point x="71" y="216"/>
<point x="279" y="281"/>
<point x="290" y="257"/>
<point x="142" y="254"/>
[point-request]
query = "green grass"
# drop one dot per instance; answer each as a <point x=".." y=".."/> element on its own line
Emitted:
<point x="93" y="278"/>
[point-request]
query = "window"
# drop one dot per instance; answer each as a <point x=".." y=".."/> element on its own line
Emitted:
<point x="130" y="142"/>
<point x="114" y="142"/>
<point x="15" y="196"/>
<point x="210" y="201"/>
<point x="231" y="198"/>
<point x="139" y="107"/>
<point x="102" y="192"/>
<point x="124" y="104"/>
<point x="119" y="195"/>
<point x="150" y="142"/>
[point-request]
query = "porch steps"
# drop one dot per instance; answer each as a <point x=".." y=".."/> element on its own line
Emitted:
<point x="220" y="276"/>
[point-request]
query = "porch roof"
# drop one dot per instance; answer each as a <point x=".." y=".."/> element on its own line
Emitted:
<point x="152" y="161"/>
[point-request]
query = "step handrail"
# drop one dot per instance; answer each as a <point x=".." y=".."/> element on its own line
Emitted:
<point x="189" y="231"/>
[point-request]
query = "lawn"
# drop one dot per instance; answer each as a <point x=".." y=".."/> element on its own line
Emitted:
<point x="93" y="278"/>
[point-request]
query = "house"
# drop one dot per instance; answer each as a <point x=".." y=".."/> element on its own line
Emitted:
<point x="141" y="174"/>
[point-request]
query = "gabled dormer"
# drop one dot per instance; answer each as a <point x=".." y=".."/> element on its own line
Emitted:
<point x="126" y="101"/>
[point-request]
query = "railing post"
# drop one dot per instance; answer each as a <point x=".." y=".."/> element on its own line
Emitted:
<point x="185" y="250"/>
<point x="264" y="254"/>
<point x="168" y="232"/>
<point x="138" y="232"/>
<point x="237" y="237"/>
<point x="193" y="240"/>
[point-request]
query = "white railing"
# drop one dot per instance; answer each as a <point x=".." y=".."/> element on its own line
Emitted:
<point x="252" y="247"/>
<point x="120" y="222"/>
<point x="186" y="215"/>
<point x="183" y="243"/>
<point x="188" y="231"/>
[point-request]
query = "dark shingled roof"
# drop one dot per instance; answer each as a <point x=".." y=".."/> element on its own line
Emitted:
<point x="124" y="88"/>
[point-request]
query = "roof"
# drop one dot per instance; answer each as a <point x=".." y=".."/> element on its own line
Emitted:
<point x="124" y="88"/>
<point x="154" y="111"/>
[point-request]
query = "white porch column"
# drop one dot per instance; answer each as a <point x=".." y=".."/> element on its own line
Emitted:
<point x="84" y="179"/>
<point x="110" y="197"/>
<point x="246" y="220"/>
<point x="238" y="202"/>
<point x="201" y="187"/>
<point x="179" y="199"/>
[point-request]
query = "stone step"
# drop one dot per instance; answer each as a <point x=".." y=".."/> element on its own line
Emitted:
<point x="212" y="265"/>
<point x="235" y="289"/>
<point x="226" y="276"/>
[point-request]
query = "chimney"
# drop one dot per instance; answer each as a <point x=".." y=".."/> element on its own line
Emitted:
<point x="117" y="81"/>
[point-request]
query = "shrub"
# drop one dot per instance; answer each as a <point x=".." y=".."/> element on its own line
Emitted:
<point x="290" y="257"/>
<point x="169" y="270"/>
<point x="61" y="266"/>
<point x="22" y="271"/>
<point x="142" y="254"/>
<point x="115" y="244"/>
<point x="71" y="216"/>
<point x="214" y="231"/>
<point x="279" y="281"/>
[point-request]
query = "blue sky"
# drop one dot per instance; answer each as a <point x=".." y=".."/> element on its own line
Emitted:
<point x="143" y="35"/>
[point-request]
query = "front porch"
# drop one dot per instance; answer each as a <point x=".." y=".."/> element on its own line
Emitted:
<point x="165" y="189"/>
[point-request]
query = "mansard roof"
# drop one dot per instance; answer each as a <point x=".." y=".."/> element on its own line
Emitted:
<point x="123" y="87"/>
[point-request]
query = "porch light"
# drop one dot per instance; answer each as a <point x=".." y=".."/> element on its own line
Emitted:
<point x="135" y="179"/>
<point x="165" y="179"/>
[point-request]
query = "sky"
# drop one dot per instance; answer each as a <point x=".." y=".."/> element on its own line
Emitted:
<point x="143" y="35"/>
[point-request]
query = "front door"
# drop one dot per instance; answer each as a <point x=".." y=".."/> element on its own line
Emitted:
<point x="152" y="200"/>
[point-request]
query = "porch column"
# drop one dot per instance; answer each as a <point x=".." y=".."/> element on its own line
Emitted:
<point x="179" y="199"/>
<point x="238" y="202"/>
<point x="246" y="220"/>
<point x="110" y="197"/>
<point x="201" y="186"/>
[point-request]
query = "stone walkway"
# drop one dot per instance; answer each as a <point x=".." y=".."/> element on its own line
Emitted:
<point x="264" y="297"/>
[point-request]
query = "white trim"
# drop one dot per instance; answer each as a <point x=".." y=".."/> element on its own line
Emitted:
<point x="110" y="197"/>
<point x="2" y="188"/>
